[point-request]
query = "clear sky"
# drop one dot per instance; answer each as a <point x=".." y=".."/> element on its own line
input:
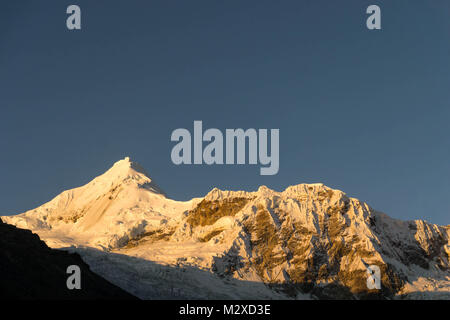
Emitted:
<point x="366" y="112"/>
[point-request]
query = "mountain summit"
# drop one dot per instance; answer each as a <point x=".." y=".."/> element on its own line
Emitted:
<point x="107" y="212"/>
<point x="308" y="241"/>
<point x="126" y="171"/>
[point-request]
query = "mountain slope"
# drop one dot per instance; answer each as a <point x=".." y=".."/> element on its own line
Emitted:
<point x="309" y="241"/>
<point x="31" y="270"/>
<point x="115" y="207"/>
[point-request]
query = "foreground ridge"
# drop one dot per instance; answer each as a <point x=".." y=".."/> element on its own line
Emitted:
<point x="31" y="270"/>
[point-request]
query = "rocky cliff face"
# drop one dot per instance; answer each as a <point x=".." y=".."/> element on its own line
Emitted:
<point x="309" y="241"/>
<point x="31" y="270"/>
<point x="314" y="239"/>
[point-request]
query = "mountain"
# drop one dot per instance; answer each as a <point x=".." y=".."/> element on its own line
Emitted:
<point x="306" y="242"/>
<point x="31" y="270"/>
<point x="109" y="211"/>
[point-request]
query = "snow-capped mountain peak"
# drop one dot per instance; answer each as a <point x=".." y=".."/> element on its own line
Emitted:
<point x="126" y="171"/>
<point x="107" y="212"/>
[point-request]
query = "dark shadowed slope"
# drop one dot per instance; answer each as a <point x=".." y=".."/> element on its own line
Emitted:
<point x="31" y="270"/>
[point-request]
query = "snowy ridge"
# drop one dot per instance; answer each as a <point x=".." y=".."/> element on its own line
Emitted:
<point x="113" y="208"/>
<point x="308" y="241"/>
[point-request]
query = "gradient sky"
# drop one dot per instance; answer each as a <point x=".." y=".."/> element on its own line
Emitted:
<point x="366" y="112"/>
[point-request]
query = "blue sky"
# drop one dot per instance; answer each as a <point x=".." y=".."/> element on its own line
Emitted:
<point x="362" y="111"/>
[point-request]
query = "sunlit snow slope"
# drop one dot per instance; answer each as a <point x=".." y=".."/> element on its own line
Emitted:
<point x="115" y="207"/>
